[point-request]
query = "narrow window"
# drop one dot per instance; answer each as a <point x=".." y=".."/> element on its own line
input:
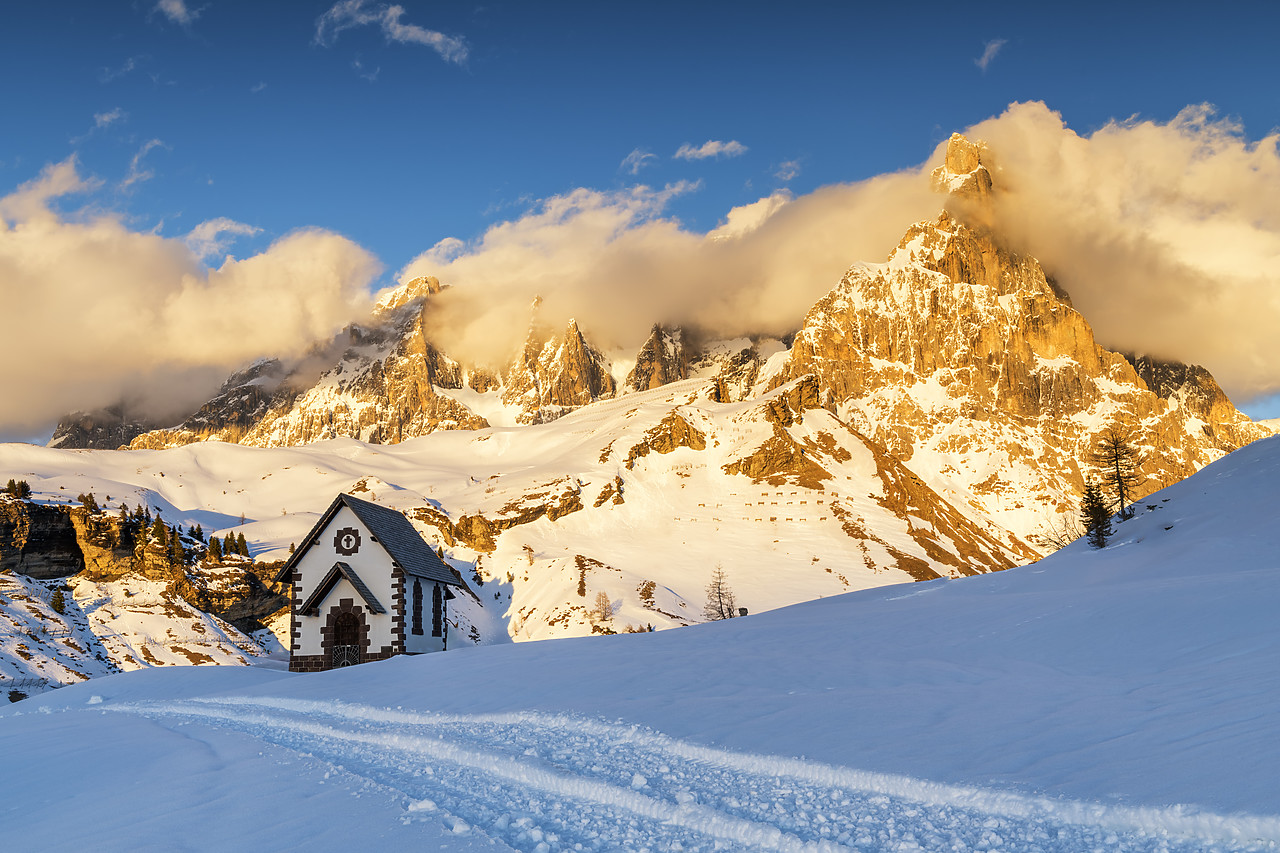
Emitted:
<point x="437" y="612"/>
<point x="417" y="606"/>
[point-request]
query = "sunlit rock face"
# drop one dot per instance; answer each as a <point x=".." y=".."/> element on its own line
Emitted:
<point x="964" y="360"/>
<point x="554" y="374"/>
<point x="661" y="360"/>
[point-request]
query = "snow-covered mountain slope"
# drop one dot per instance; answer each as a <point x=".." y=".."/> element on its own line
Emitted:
<point x="1121" y="699"/>
<point x="106" y="627"/>
<point x="639" y="498"/>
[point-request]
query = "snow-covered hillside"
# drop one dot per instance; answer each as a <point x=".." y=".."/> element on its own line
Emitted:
<point x="639" y="498"/>
<point x="1122" y="699"/>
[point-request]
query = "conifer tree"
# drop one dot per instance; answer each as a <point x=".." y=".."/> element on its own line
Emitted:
<point x="229" y="545"/>
<point x="1095" y="515"/>
<point x="199" y="533"/>
<point x="242" y="547"/>
<point x="177" y="554"/>
<point x="160" y="533"/>
<point x="215" y="549"/>
<point x="1117" y="462"/>
<point x="58" y="602"/>
<point x="12" y="487"/>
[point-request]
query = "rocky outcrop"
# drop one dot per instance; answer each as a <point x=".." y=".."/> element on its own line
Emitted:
<point x="479" y="531"/>
<point x="672" y="432"/>
<point x="37" y="541"/>
<point x="1194" y="389"/>
<point x="554" y="374"/>
<point x="45" y="542"/>
<point x="243" y="593"/>
<point x="104" y="429"/>
<point x="660" y="361"/>
<point x="963" y="177"/>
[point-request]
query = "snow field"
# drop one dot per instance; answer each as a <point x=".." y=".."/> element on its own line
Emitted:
<point x="545" y="782"/>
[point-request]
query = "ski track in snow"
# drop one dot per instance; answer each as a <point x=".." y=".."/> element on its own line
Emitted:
<point x="545" y="782"/>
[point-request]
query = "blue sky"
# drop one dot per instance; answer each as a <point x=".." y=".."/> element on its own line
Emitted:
<point x="399" y="126"/>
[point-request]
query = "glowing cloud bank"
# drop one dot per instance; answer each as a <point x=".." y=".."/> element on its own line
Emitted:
<point x="94" y="312"/>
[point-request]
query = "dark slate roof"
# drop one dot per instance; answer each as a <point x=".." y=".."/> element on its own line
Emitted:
<point x="340" y="570"/>
<point x="393" y="532"/>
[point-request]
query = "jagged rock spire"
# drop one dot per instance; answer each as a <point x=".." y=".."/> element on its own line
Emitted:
<point x="963" y="176"/>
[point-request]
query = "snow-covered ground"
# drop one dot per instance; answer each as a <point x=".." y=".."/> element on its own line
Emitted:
<point x="1123" y="699"/>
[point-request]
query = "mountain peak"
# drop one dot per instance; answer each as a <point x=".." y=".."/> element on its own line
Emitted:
<point x="415" y="288"/>
<point x="963" y="175"/>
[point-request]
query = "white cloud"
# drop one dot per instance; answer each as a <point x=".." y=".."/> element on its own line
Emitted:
<point x="257" y="87"/>
<point x="746" y="218"/>
<point x="787" y="170"/>
<point x="106" y="75"/>
<point x="636" y="160"/>
<point x="615" y="262"/>
<point x="99" y="310"/>
<point x="989" y="51"/>
<point x="710" y="148"/>
<point x="348" y="14"/>
<point x="30" y="201"/>
<point x="214" y="236"/>
<point x="101" y="120"/>
<point x="177" y="11"/>
<point x="136" y="173"/>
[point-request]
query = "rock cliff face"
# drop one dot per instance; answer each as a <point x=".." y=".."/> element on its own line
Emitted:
<point x="554" y="374"/>
<point x="244" y="399"/>
<point x="963" y="361"/>
<point x="37" y="541"/>
<point x="379" y="384"/>
<point x="1194" y="389"/>
<point x="662" y="360"/>
<point x="105" y="429"/>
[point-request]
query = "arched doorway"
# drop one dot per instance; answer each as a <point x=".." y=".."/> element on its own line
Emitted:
<point x="346" y="640"/>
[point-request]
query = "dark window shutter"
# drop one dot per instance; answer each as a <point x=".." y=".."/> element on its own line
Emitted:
<point x="417" y="606"/>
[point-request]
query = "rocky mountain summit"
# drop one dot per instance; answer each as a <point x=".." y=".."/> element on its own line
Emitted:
<point x="965" y="361"/>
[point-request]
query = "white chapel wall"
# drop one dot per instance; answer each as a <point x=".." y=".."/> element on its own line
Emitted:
<point x="371" y="562"/>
